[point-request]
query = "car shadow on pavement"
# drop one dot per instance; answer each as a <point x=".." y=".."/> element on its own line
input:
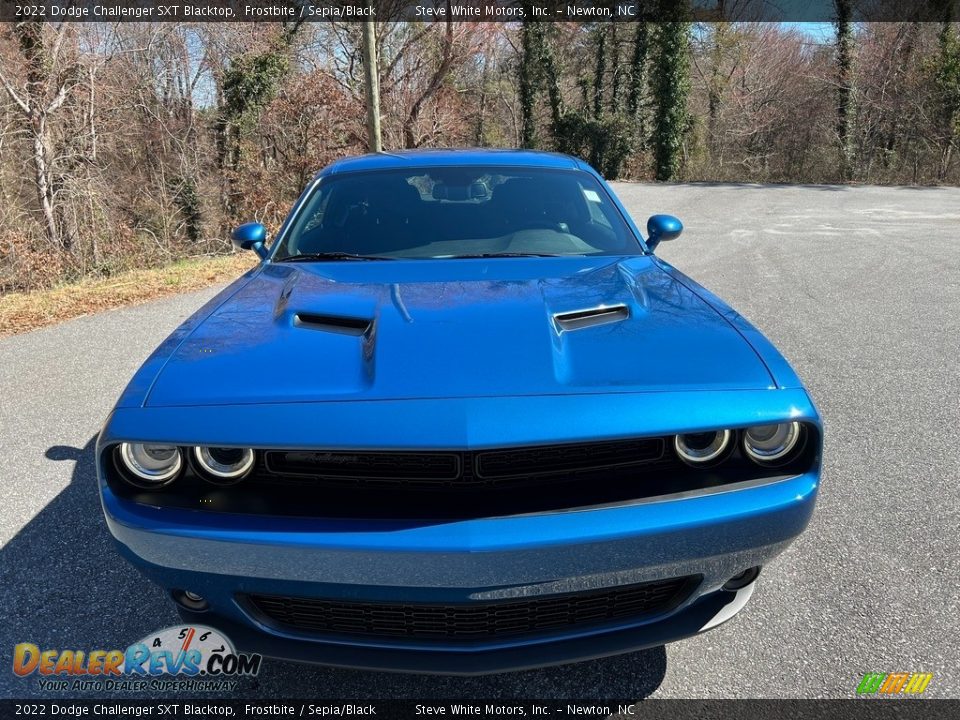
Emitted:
<point x="63" y="585"/>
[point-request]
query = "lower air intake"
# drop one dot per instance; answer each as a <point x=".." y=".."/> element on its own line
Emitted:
<point x="474" y="620"/>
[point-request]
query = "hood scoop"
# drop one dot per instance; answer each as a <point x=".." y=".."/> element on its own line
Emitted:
<point x="333" y="323"/>
<point x="593" y="317"/>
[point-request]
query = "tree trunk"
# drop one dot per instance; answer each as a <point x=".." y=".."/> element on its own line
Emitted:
<point x="616" y="80"/>
<point x="436" y="82"/>
<point x="45" y="93"/>
<point x="372" y="86"/>
<point x="715" y="88"/>
<point x="601" y="71"/>
<point x="638" y="80"/>
<point x="550" y="71"/>
<point x="44" y="190"/>
<point x="845" y="88"/>
<point x="528" y="131"/>
<point x="948" y="92"/>
<point x="671" y="84"/>
<point x="480" y="136"/>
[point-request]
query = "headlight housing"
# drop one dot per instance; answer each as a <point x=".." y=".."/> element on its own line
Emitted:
<point x="771" y="444"/>
<point x="151" y="466"/>
<point x="223" y="466"/>
<point x="703" y="448"/>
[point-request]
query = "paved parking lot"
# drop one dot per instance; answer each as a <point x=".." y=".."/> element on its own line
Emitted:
<point x="859" y="287"/>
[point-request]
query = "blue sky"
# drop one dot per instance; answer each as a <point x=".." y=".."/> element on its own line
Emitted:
<point x="819" y="31"/>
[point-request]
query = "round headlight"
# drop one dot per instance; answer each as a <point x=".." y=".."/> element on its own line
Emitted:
<point x="767" y="444"/>
<point x="151" y="465"/>
<point x="701" y="448"/>
<point x="224" y="465"/>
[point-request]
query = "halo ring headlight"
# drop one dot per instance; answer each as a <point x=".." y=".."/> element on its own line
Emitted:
<point x="151" y="465"/>
<point x="224" y="465"/>
<point x="766" y="444"/>
<point x="699" y="449"/>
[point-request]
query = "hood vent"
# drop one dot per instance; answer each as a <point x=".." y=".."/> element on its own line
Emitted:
<point x="333" y="323"/>
<point x="591" y="318"/>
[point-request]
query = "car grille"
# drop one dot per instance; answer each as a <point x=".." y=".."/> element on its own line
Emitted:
<point x="464" y="469"/>
<point x="474" y="620"/>
<point x="385" y="466"/>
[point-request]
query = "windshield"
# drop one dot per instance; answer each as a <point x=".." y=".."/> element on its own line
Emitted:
<point x="457" y="212"/>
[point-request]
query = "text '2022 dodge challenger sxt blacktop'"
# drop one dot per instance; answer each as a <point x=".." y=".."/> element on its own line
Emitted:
<point x="460" y="419"/>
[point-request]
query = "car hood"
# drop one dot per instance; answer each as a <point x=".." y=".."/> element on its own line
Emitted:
<point x="467" y="328"/>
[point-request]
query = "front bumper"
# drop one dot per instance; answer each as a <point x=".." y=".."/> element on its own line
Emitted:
<point x="226" y="557"/>
<point x="704" y="613"/>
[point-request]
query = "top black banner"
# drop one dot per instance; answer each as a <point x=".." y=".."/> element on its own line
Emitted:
<point x="58" y="11"/>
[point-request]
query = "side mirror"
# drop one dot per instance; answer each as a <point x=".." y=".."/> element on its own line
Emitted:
<point x="662" y="227"/>
<point x="251" y="236"/>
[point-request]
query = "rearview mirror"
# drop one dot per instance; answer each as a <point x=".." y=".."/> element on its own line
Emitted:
<point x="662" y="227"/>
<point x="251" y="236"/>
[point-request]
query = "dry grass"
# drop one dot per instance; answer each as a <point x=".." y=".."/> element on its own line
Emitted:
<point x="20" y="312"/>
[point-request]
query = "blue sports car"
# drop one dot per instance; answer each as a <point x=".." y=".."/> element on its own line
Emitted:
<point x="460" y="419"/>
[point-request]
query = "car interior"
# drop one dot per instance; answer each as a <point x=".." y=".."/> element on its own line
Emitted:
<point x="453" y="212"/>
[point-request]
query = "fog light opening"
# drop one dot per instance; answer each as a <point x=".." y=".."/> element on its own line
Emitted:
<point x="743" y="579"/>
<point x="190" y="600"/>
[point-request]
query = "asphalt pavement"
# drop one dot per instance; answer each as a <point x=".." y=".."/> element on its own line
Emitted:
<point x="858" y="287"/>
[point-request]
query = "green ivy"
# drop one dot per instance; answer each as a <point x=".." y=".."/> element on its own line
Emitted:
<point x="604" y="141"/>
<point x="250" y="84"/>
<point x="186" y="196"/>
<point x="605" y="136"/>
<point x="671" y="88"/>
<point x="947" y="80"/>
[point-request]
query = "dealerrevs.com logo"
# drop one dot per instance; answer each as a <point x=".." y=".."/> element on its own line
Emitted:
<point x="193" y="657"/>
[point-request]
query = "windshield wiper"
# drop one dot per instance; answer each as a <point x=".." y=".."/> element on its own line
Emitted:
<point x="498" y="255"/>
<point x="315" y="257"/>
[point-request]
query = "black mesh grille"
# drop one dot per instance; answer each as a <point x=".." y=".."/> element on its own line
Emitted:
<point x="566" y="458"/>
<point x="463" y="469"/>
<point x="474" y="620"/>
<point x="365" y="465"/>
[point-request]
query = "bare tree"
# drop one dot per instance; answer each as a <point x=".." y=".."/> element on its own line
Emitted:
<point x="50" y="78"/>
<point x="129" y="144"/>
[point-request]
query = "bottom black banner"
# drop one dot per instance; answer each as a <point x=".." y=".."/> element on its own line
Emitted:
<point x="862" y="709"/>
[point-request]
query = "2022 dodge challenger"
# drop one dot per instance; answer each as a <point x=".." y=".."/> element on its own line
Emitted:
<point x="460" y="419"/>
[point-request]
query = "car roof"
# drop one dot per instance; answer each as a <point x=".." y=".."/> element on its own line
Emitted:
<point x="398" y="159"/>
